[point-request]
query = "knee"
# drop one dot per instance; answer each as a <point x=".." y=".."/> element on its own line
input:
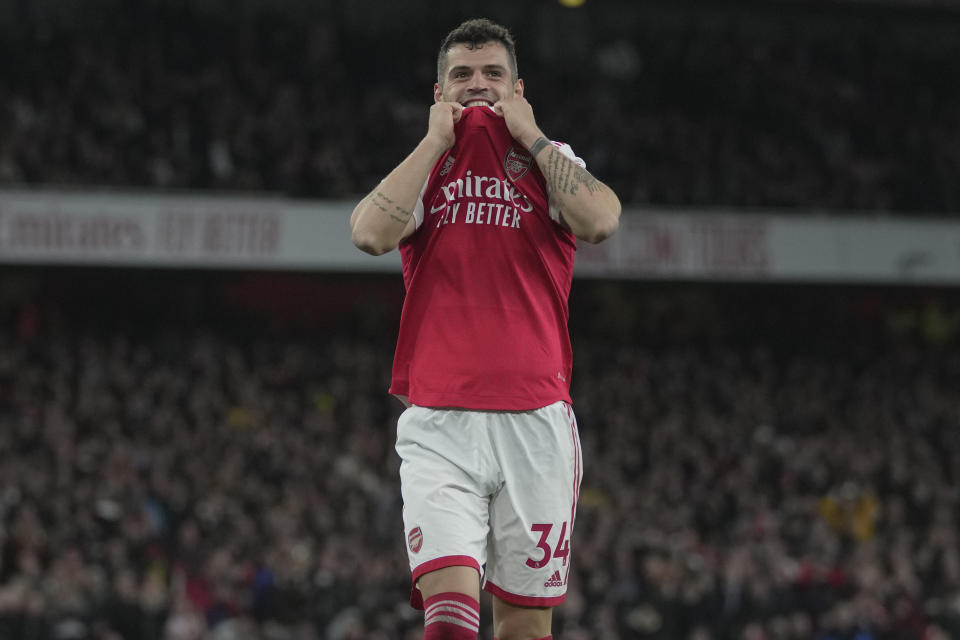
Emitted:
<point x="520" y="635"/>
<point x="521" y="623"/>
<point x="456" y="579"/>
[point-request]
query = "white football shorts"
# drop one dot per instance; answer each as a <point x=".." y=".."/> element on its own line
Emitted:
<point x="493" y="490"/>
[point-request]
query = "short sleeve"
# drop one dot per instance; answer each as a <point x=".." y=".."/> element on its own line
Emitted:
<point x="418" y="208"/>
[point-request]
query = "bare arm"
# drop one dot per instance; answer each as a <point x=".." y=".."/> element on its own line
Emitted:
<point x="590" y="208"/>
<point x="385" y="216"/>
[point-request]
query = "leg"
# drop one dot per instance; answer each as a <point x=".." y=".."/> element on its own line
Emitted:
<point x="450" y="580"/>
<point x="531" y="520"/>
<point x="451" y="606"/>
<point x="511" y="622"/>
<point x="445" y="490"/>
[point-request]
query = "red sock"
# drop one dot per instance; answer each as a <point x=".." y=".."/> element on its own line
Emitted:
<point x="451" y="616"/>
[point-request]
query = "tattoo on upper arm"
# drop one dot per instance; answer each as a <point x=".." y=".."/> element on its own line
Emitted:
<point x="563" y="175"/>
<point x="388" y="206"/>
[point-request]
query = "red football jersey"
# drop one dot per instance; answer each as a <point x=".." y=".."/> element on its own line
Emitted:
<point x="487" y="275"/>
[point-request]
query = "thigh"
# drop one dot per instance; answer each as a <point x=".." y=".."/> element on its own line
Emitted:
<point x="532" y="516"/>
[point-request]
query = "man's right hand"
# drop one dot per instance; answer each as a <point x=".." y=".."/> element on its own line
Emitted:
<point x="443" y="115"/>
<point x="385" y="216"/>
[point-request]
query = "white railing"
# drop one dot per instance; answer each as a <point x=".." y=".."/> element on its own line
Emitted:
<point x="251" y="232"/>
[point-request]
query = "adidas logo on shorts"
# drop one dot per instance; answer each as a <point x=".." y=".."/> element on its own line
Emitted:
<point x="554" y="581"/>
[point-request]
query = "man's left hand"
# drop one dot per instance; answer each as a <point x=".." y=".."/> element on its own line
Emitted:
<point x="520" y="121"/>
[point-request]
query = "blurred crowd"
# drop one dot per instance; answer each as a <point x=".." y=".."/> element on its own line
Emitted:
<point x="200" y="485"/>
<point x="823" y="108"/>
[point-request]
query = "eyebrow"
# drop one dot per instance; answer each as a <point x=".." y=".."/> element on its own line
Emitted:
<point x="486" y="67"/>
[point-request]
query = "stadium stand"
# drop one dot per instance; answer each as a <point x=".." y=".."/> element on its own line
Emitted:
<point x="178" y="475"/>
<point x="793" y="106"/>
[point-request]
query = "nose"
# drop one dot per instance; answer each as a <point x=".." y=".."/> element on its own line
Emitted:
<point x="478" y="81"/>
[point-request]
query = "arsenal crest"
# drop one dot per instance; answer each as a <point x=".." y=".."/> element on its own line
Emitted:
<point x="516" y="163"/>
<point x="415" y="539"/>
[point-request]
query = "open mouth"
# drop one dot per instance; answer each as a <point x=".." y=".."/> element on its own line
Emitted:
<point x="478" y="102"/>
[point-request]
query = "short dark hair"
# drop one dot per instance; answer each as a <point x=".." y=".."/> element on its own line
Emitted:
<point x="473" y="34"/>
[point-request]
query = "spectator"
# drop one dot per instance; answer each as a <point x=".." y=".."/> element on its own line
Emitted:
<point x="231" y="485"/>
<point x="677" y="106"/>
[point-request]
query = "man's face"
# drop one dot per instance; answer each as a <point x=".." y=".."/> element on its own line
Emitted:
<point x="477" y="76"/>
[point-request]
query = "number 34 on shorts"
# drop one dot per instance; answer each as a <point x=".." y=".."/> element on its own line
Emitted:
<point x="561" y="550"/>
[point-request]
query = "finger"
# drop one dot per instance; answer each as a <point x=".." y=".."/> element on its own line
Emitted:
<point x="457" y="111"/>
<point x="498" y="107"/>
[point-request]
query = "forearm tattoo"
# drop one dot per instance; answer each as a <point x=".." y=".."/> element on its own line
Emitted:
<point x="563" y="175"/>
<point x="390" y="208"/>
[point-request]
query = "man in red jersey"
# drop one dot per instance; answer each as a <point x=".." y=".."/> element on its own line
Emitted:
<point x="486" y="212"/>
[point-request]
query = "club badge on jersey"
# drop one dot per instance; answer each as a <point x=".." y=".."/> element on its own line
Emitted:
<point x="517" y="162"/>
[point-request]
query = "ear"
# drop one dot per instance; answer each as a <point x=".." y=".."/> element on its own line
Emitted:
<point x="518" y="88"/>
<point x="437" y="92"/>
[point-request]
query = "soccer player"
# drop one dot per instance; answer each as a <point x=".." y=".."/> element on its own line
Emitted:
<point x="486" y="212"/>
